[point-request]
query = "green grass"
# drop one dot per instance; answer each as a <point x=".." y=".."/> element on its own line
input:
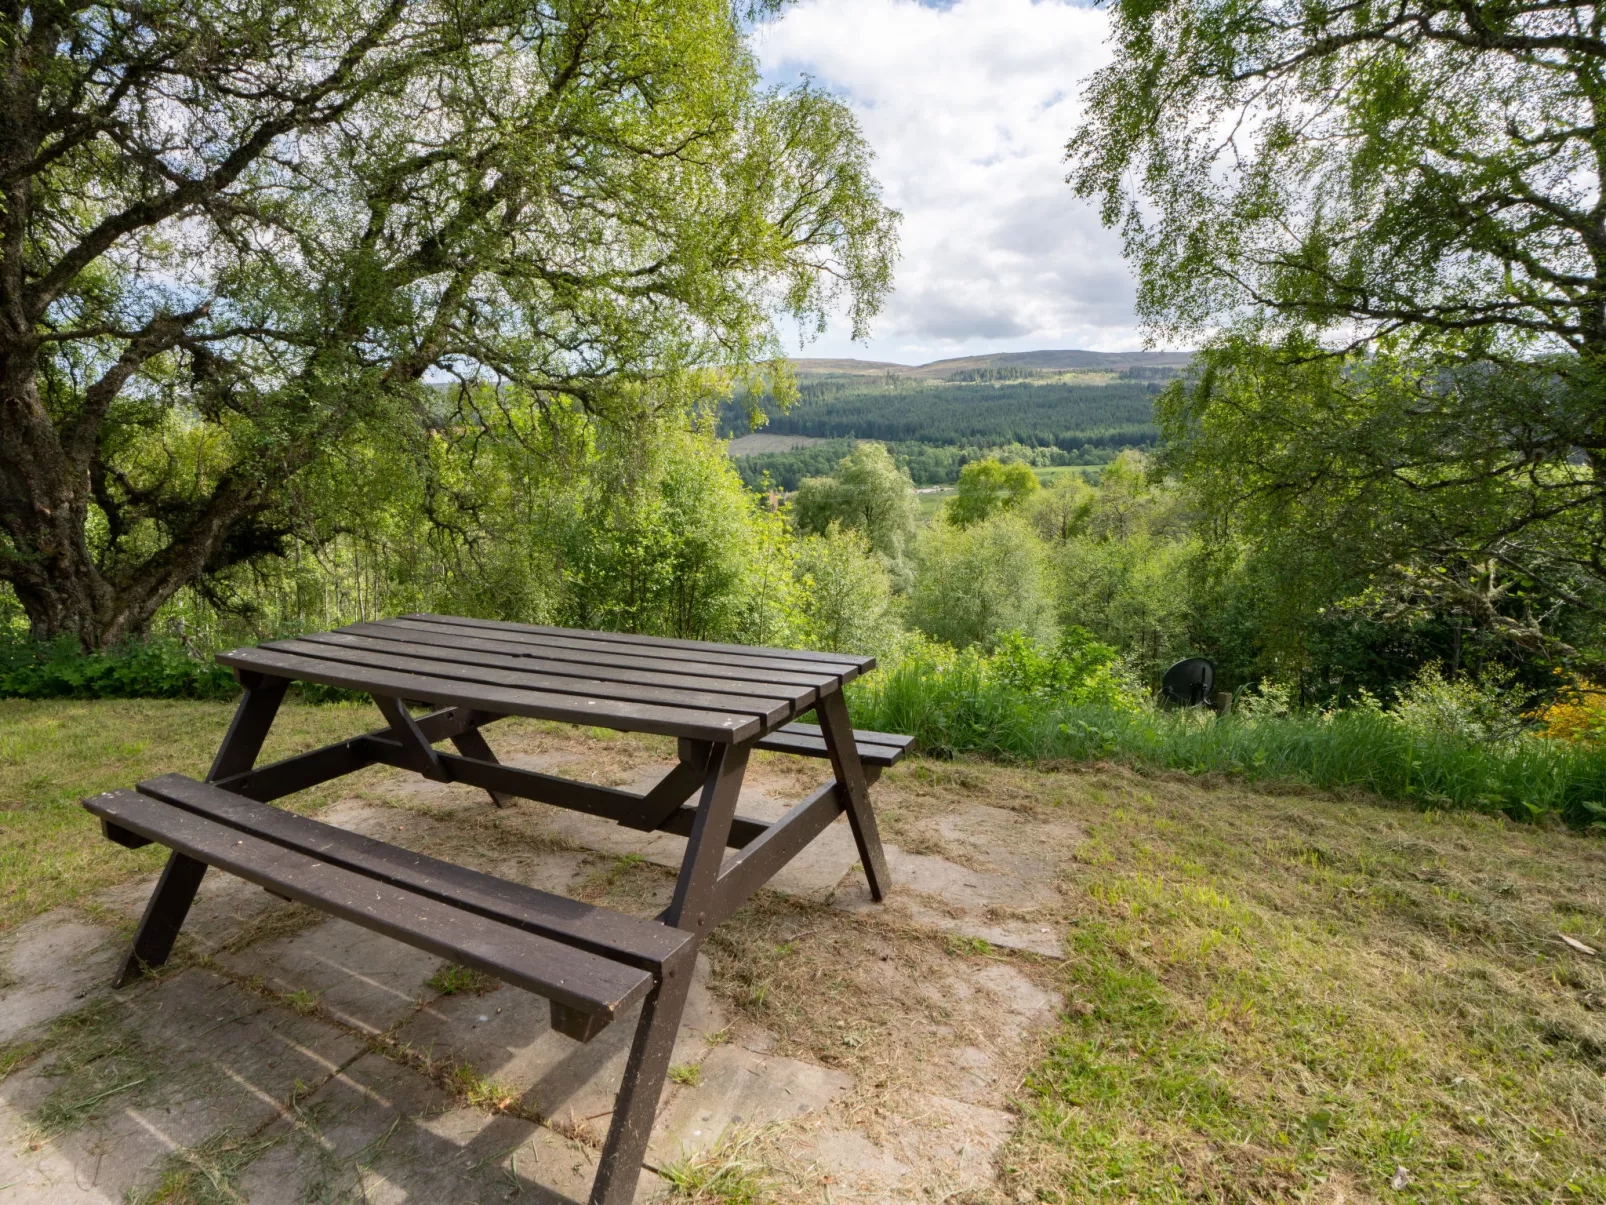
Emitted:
<point x="53" y="753"/>
<point x="722" y="1175"/>
<point x="1273" y="999"/>
<point x="962" y="710"/>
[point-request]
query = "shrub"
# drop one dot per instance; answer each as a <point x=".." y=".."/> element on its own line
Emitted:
<point x="972" y="584"/>
<point x="966" y="702"/>
<point x="158" y="668"/>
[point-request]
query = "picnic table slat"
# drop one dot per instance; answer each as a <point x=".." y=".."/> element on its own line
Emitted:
<point x="715" y="726"/>
<point x="598" y="656"/>
<point x="739" y="691"/>
<point x="770" y="710"/>
<point x="644" y="944"/>
<point x="863" y="664"/>
<point x="839" y="671"/>
<point x="576" y="978"/>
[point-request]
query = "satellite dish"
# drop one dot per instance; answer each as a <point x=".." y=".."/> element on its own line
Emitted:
<point x="1190" y="682"/>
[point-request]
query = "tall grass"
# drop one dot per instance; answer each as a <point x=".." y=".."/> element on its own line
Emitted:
<point x="957" y="706"/>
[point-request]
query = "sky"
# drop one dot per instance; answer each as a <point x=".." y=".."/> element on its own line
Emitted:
<point x="968" y="107"/>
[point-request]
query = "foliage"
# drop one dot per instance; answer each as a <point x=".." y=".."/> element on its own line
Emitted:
<point x="974" y="583"/>
<point x="926" y="463"/>
<point x="1484" y="708"/>
<point x="157" y="668"/>
<point x="869" y="494"/>
<point x="987" y="488"/>
<point x="1577" y="714"/>
<point x="1386" y="222"/>
<point x="240" y="238"/>
<point x="1419" y="491"/>
<point x="1078" y="670"/>
<point x="666" y="553"/>
<point x="844" y="594"/>
<point x="956" y="704"/>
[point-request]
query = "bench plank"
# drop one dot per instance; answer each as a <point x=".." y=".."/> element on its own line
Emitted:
<point x="572" y="977"/>
<point x="880" y="749"/>
<point x="641" y="943"/>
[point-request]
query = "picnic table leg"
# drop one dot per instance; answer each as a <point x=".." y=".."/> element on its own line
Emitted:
<point x="838" y="733"/>
<point x="637" y="1103"/>
<point x="705" y="849"/>
<point x="619" y="1169"/>
<point x="181" y="877"/>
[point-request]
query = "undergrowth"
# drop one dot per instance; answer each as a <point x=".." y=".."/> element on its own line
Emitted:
<point x="957" y="706"/>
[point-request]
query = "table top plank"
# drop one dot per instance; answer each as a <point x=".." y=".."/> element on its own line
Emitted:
<point x="770" y="710"/>
<point x="862" y="664"/>
<point x="843" y="671"/>
<point x="739" y="690"/>
<point x="721" y="727"/>
<point x="399" y="630"/>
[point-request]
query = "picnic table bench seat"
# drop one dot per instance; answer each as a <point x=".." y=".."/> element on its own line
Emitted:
<point x="878" y="749"/>
<point x="591" y="962"/>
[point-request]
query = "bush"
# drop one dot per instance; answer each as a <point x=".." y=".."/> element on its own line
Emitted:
<point x="156" y="668"/>
<point x="973" y="584"/>
<point x="967" y="703"/>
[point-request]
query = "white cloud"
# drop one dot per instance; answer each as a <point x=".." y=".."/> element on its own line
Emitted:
<point x="968" y="108"/>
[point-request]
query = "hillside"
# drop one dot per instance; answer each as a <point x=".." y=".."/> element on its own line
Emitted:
<point x="1025" y="361"/>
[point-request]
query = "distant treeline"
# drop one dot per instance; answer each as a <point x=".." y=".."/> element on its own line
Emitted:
<point x="897" y="410"/>
<point x="928" y="464"/>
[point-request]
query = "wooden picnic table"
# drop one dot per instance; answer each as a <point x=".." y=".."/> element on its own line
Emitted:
<point x="721" y="701"/>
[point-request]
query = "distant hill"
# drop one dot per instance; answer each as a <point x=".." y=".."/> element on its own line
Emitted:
<point x="1023" y="361"/>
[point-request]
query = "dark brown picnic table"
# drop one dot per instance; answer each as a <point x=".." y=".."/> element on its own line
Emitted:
<point x="721" y="701"/>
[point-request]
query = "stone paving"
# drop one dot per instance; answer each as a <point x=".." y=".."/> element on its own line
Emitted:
<point x="288" y="1058"/>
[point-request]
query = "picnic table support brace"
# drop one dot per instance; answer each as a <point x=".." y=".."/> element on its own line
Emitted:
<point x="181" y="877"/>
<point x="471" y="742"/>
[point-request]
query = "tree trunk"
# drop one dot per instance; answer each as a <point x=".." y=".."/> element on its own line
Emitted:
<point x="44" y="503"/>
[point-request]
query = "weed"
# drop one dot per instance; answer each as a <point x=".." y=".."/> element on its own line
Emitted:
<point x="303" y="1000"/>
<point x="483" y="1093"/>
<point x="689" y="1075"/>
<point x="454" y="980"/>
<point x="718" y="1176"/>
<point x="205" y="1174"/>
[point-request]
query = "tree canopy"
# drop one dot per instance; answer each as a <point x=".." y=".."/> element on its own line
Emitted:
<point x="869" y="494"/>
<point x="233" y="235"/>
<point x="1389" y="224"/>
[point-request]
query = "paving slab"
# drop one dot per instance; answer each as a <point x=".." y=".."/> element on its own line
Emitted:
<point x="1003" y="878"/>
<point x="930" y="1148"/>
<point x="506" y="1036"/>
<point x="211" y="1060"/>
<point x="739" y="1088"/>
<point x="384" y="1135"/>
<point x="359" y="977"/>
<point x="49" y="965"/>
